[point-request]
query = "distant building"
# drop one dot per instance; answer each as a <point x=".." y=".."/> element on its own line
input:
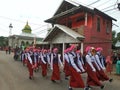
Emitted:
<point x="78" y="24"/>
<point x="26" y="38"/>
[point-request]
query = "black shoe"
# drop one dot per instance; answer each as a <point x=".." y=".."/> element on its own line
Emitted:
<point x="102" y="87"/>
<point x="110" y="80"/>
<point x="35" y="70"/>
<point x="86" y="88"/>
<point x="70" y="89"/>
<point x="53" y="81"/>
<point x="30" y="78"/>
<point x="66" y="78"/>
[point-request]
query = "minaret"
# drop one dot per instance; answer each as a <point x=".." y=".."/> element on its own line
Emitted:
<point x="10" y="26"/>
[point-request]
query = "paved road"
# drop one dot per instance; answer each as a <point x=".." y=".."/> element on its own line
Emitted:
<point x="14" y="76"/>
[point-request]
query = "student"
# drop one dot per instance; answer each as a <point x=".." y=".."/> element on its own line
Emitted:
<point x="92" y="79"/>
<point x="55" y="61"/>
<point x="75" y="77"/>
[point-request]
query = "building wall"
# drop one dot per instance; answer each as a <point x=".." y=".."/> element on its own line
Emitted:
<point x="13" y="42"/>
<point x="102" y="38"/>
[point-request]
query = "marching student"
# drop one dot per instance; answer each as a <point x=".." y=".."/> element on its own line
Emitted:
<point x="45" y="60"/>
<point x="38" y="59"/>
<point x="92" y="78"/>
<point x="49" y="56"/>
<point x="99" y="59"/>
<point x="55" y="61"/>
<point x="24" y="57"/>
<point x="80" y="61"/>
<point x="29" y="64"/>
<point x="75" y="77"/>
<point x="66" y="64"/>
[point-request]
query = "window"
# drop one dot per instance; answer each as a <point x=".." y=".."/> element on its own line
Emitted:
<point x="69" y="23"/>
<point x="98" y="24"/>
<point x="107" y="27"/>
<point x="79" y="19"/>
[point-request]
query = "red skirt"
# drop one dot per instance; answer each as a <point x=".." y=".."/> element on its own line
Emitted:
<point x="109" y="67"/>
<point x="100" y="74"/>
<point x="92" y="79"/>
<point x="44" y="69"/>
<point x="75" y="79"/>
<point x="56" y="72"/>
<point x="66" y="69"/>
<point x="30" y="69"/>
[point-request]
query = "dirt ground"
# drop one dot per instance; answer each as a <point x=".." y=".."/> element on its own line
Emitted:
<point x="14" y="76"/>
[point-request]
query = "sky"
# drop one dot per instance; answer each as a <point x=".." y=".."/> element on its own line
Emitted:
<point x="18" y="12"/>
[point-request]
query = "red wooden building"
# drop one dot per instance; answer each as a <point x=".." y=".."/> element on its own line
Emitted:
<point x="93" y="24"/>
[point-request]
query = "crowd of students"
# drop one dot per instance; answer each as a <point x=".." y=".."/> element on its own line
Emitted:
<point x="73" y="65"/>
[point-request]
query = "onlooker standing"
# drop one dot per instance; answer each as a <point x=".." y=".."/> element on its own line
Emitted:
<point x="9" y="49"/>
<point x="6" y="49"/>
<point x="109" y="66"/>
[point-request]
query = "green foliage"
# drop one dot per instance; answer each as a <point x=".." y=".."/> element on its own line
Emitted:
<point x="115" y="38"/>
<point x="3" y="41"/>
<point x="118" y="36"/>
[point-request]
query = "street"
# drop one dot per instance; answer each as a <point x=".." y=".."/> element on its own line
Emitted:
<point x="14" y="76"/>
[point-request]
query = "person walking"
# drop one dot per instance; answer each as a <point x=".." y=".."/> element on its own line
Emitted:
<point x="92" y="78"/>
<point x="55" y="61"/>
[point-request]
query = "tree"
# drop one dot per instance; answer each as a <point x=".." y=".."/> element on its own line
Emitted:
<point x="3" y="41"/>
<point x="118" y="36"/>
<point x="114" y="39"/>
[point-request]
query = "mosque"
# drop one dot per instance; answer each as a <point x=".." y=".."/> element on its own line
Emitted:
<point x="25" y="39"/>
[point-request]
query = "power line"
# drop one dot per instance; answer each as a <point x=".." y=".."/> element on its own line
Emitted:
<point x="115" y="11"/>
<point x="42" y="31"/>
<point x="40" y="27"/>
<point x="115" y="25"/>
<point x="93" y="3"/>
<point x="16" y="20"/>
<point x="103" y="3"/>
<point x="110" y="9"/>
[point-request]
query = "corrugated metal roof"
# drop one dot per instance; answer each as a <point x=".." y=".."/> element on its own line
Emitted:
<point x="76" y="6"/>
<point x="66" y="30"/>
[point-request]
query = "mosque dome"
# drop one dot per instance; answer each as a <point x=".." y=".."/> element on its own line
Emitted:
<point x="26" y="29"/>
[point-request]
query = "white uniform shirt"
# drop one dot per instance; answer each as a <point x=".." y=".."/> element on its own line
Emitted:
<point x="79" y="62"/>
<point x="59" y="60"/>
<point x="29" y="58"/>
<point x="71" y="58"/>
<point x="89" y="61"/>
<point x="98" y="61"/>
<point x="102" y="60"/>
<point x="66" y="57"/>
<point x="93" y="58"/>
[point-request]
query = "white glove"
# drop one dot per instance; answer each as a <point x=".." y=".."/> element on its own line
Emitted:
<point x="83" y="70"/>
<point x="103" y="68"/>
<point x="62" y="66"/>
<point x="78" y="71"/>
<point x="52" y="69"/>
<point x="93" y="70"/>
